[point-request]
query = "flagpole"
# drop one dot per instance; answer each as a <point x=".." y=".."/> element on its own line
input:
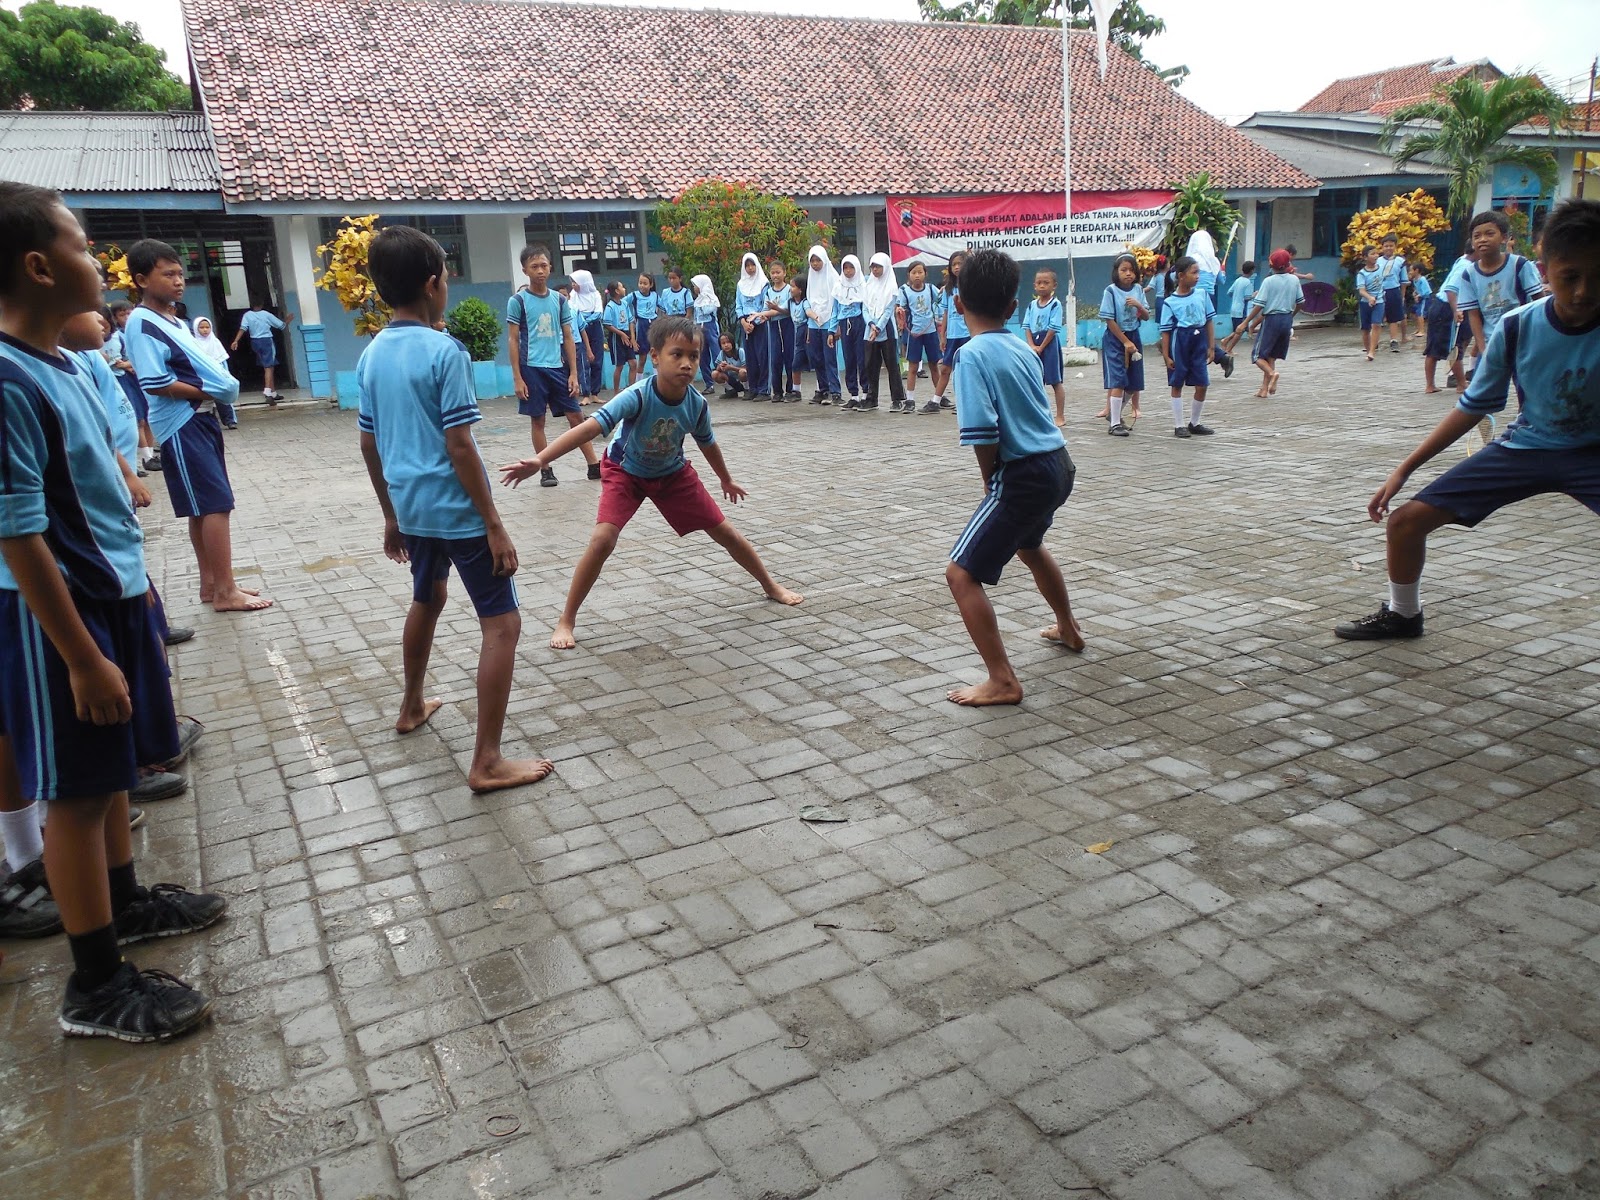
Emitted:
<point x="1071" y="316"/>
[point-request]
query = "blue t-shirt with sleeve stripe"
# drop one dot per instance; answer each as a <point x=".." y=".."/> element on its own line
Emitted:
<point x="119" y="409"/>
<point x="1515" y="282"/>
<point x="650" y="431"/>
<point x="1041" y="319"/>
<point x="414" y="383"/>
<point x="259" y="323"/>
<point x="1239" y="293"/>
<point x="674" y="302"/>
<point x="955" y="325"/>
<point x="1557" y="371"/>
<point x="1187" y="312"/>
<point x="1280" y="293"/>
<point x="921" y="307"/>
<point x="539" y="321"/>
<point x="643" y="306"/>
<point x="1001" y="399"/>
<point x="1117" y="304"/>
<point x="164" y="351"/>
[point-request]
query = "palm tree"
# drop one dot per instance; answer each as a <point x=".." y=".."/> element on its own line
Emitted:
<point x="1465" y="124"/>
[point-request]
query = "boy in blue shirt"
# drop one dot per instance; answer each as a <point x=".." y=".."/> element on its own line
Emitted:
<point x="259" y="325"/>
<point x="1042" y="326"/>
<point x="1188" y="344"/>
<point x="1239" y="293"/>
<point x="1391" y="268"/>
<point x="416" y="413"/>
<point x="1552" y="348"/>
<point x="645" y="462"/>
<point x="541" y="333"/>
<point x="1369" y="299"/>
<point x="917" y="311"/>
<point x="84" y="693"/>
<point x="184" y="386"/>
<point x="1004" y="416"/>
<point x="1496" y="282"/>
<point x="1272" y="311"/>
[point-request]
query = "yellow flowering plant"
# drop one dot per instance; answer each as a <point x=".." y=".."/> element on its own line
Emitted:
<point x="345" y="274"/>
<point x="1143" y="255"/>
<point x="1410" y="218"/>
<point x="114" y="261"/>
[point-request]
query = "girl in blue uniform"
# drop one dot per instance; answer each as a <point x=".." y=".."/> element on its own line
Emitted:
<point x="619" y="333"/>
<point x="706" y="308"/>
<point x="1122" y="308"/>
<point x="917" y="305"/>
<point x="643" y="307"/>
<point x="1042" y="327"/>
<point x="782" y="326"/>
<point x="848" y="296"/>
<point x="822" y="323"/>
<point x="675" y="300"/>
<point x="1188" y="340"/>
<point x="588" y="306"/>
<point x="797" y="314"/>
<point x="952" y="330"/>
<point x="750" y="306"/>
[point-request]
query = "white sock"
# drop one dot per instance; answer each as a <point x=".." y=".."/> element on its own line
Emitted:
<point x="1177" y="412"/>
<point x="146" y="453"/>
<point x="1116" y="410"/>
<point x="911" y="395"/>
<point x="1405" y="599"/>
<point x="1194" y="411"/>
<point x="44" y="811"/>
<point x="24" y="843"/>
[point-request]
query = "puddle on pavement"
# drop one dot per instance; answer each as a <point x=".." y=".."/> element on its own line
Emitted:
<point x="332" y="561"/>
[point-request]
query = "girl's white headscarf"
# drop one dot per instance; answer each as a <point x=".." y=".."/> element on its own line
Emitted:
<point x="210" y="344"/>
<point x="879" y="299"/>
<point x="585" y="296"/>
<point x="751" y="285"/>
<point x="820" y="285"/>
<point x="1204" y="251"/>
<point x="705" y="297"/>
<point x="851" y="290"/>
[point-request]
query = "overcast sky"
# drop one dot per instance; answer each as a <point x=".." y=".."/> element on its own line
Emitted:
<point x="1243" y="59"/>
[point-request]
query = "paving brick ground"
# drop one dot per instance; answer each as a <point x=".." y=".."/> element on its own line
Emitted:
<point x="1345" y="943"/>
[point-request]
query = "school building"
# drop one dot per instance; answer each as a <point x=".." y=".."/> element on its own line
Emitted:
<point x="447" y="115"/>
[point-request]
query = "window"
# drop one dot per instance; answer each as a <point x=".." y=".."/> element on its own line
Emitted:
<point x="449" y="232"/>
<point x="604" y="243"/>
<point x="1330" y="220"/>
<point x="845" y="241"/>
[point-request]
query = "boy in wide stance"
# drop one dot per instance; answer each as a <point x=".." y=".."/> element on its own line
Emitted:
<point x="645" y="462"/>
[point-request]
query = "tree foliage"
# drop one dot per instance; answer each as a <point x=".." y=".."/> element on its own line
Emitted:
<point x="1130" y="26"/>
<point x="1410" y="217"/>
<point x="475" y="325"/>
<point x="1462" y="128"/>
<point x="344" y="274"/>
<point x="1199" y="204"/>
<point x="709" y="227"/>
<point x="55" y="58"/>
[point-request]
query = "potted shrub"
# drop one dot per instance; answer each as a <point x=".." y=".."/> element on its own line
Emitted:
<point x="473" y="324"/>
<point x="344" y="274"/>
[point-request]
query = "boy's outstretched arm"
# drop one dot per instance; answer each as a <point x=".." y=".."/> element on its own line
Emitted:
<point x="988" y="456"/>
<point x="527" y="468"/>
<point x="1445" y="433"/>
<point x="714" y="460"/>
<point x="394" y="545"/>
<point x="474" y="477"/>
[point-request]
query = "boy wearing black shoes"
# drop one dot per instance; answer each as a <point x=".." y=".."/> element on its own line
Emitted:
<point x="84" y="696"/>
<point x="1551" y="349"/>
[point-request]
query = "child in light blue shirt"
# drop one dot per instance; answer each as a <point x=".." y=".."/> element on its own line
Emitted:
<point x="1239" y="293"/>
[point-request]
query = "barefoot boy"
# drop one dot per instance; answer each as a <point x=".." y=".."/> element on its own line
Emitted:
<point x="416" y="414"/>
<point x="84" y="696"/>
<point x="541" y="331"/>
<point x="1004" y="415"/>
<point x="184" y="386"/>
<point x="645" y="462"/>
<point x="1552" y="349"/>
<point x="1272" y="311"/>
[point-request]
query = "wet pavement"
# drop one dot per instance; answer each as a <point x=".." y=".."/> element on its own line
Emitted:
<point x="1338" y="935"/>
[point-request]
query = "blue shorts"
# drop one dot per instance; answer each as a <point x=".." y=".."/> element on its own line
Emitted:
<point x="58" y="756"/>
<point x="1364" y="310"/>
<point x="1191" y="359"/>
<point x="1273" y="339"/>
<point x="1394" y="305"/>
<point x="136" y="397"/>
<point x="1438" y="344"/>
<point x="641" y="337"/>
<point x="196" y="469"/>
<point x="1463" y="334"/>
<point x="1050" y="362"/>
<point x="952" y="345"/>
<point x="266" y="351"/>
<point x="547" y="389"/>
<point x="919" y="344"/>
<point x="1017" y="510"/>
<point x="1498" y="475"/>
<point x="1116" y="371"/>
<point x="432" y="558"/>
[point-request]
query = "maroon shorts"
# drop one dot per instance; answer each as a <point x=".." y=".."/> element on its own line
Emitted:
<point x="680" y="497"/>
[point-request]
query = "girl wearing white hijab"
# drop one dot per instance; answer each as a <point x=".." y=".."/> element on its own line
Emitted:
<point x="588" y="306"/>
<point x="877" y="310"/>
<point x="1204" y="252"/>
<point x="213" y="348"/>
<point x="751" y="309"/>
<point x="822" y="324"/>
<point x="849" y="294"/>
<point x="706" y="307"/>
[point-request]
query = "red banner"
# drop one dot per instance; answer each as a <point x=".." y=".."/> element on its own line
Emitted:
<point x="929" y="229"/>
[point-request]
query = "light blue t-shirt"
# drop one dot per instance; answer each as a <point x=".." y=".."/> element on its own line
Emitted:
<point x="1041" y="319"/>
<point x="1452" y="279"/>
<point x="1391" y="272"/>
<point x="413" y="384"/>
<point x="119" y="409"/>
<point x="539" y="321"/>
<point x="1557" y="371"/>
<point x="1421" y="287"/>
<point x="643" y="306"/>
<point x="724" y="359"/>
<point x="1187" y="312"/>
<point x="778" y="297"/>
<point x="797" y="313"/>
<point x="60" y="476"/>
<point x="1114" y="306"/>
<point x="921" y="307"/>
<point x="616" y="315"/>
<point x="116" y="351"/>
<point x="259" y="323"/>
<point x="1367" y="280"/>
<point x="1517" y="282"/>
<point x="674" y="302"/>
<point x="164" y="351"/>
<point x="650" y="431"/>
<point x="827" y="306"/>
<point x="1280" y="293"/>
<point x="749" y="306"/>
<point x="1000" y="397"/>
<point x="955" y="325"/>
<point x="1239" y="293"/>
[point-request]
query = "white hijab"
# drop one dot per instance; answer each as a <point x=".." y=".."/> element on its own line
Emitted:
<point x="1204" y="251"/>
<point x="820" y="285"/>
<point x="879" y="298"/>
<point x="585" y="296"/>
<point x="705" y="296"/>
<point x="210" y="344"/>
<point x="750" y="285"/>
<point x="852" y="290"/>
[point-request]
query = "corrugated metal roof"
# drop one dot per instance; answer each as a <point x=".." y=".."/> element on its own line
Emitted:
<point x="1331" y="162"/>
<point x="109" y="152"/>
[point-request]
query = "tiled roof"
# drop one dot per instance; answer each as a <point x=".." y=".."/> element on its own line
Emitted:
<point x="450" y="100"/>
<point x="108" y="152"/>
<point x="1384" y="91"/>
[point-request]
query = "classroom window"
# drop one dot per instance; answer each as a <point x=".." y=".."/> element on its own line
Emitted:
<point x="605" y="243"/>
<point x="845" y="240"/>
<point x="1330" y="220"/>
<point x="449" y="232"/>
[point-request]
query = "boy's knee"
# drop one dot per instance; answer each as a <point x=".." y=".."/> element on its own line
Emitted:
<point x="603" y="540"/>
<point x="958" y="577"/>
<point x="1414" y="519"/>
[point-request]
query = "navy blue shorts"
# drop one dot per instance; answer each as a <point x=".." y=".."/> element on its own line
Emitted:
<point x="920" y="345"/>
<point x="951" y="346"/>
<point x="1463" y="335"/>
<point x="1050" y="362"/>
<point x="1273" y="339"/>
<point x="266" y="351"/>
<point x="1438" y="344"/>
<point x="1015" y="514"/>
<point x="547" y="389"/>
<point x="1364" y="312"/>
<point x="58" y="756"/>
<point x="1191" y="359"/>
<point x="432" y="558"/>
<point x="1498" y="475"/>
<point x="1116" y="371"/>
<point x="196" y="468"/>
<point x="1394" y="305"/>
<point x="136" y="397"/>
<point x="641" y="337"/>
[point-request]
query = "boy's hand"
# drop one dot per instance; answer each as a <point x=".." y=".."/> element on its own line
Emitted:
<point x="138" y="492"/>
<point x="505" y="554"/>
<point x="1170" y="364"/>
<point x="394" y="542"/>
<point x="100" y="693"/>
<point x="833" y="340"/>
<point x="733" y="491"/>
<point x="572" y="385"/>
<point x="1378" y="506"/>
<point x="519" y="385"/>
<point x="515" y="473"/>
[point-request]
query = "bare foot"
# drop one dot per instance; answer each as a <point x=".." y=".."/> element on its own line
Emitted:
<point x="1061" y="422"/>
<point x="508" y="773"/>
<point x="1369" y="358"/>
<point x="1262" y="395"/>
<point x="1072" y="639"/>
<point x="207" y="591"/>
<point x="784" y="596"/>
<point x="1272" y="384"/>
<point x="416" y="718"/>
<point x="986" y="693"/>
<point x="562" y="638"/>
<point x="239" y="600"/>
<point x="1103" y="415"/>
<point x="1429" y="391"/>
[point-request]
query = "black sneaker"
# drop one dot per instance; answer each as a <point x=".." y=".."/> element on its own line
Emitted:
<point x="947" y="404"/>
<point x="794" y="394"/>
<point x="134" y="1006"/>
<point x="157" y="785"/>
<point x="1201" y="430"/>
<point x="167" y="910"/>
<point x="176" y="635"/>
<point x="26" y="909"/>
<point x="851" y="405"/>
<point x="547" y="477"/>
<point x="594" y="470"/>
<point x="189" y="732"/>
<point x="776" y="397"/>
<point x="1119" y="430"/>
<point x="1394" y="346"/>
<point x="1380" y="626"/>
<point x="730" y="393"/>
<point x="1181" y="431"/>
<point x="154" y="464"/>
<point x="931" y="408"/>
<point x="1227" y="365"/>
<point x="818" y="397"/>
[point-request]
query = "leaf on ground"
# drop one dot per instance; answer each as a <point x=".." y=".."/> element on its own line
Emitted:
<point x="1099" y="847"/>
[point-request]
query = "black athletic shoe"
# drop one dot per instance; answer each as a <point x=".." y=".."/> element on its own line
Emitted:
<point x="167" y="910"/>
<point x="135" y="816"/>
<point x="793" y="394"/>
<point x="1380" y="626"/>
<point x="851" y="405"/>
<point x="1227" y="365"/>
<point x="26" y="909"/>
<point x="947" y="404"/>
<point x="1201" y="430"/>
<point x="176" y="635"/>
<point x="157" y="785"/>
<point x="776" y="397"/>
<point x="547" y="477"/>
<point x="134" y="1006"/>
<point x="1119" y="430"/>
<point x="1181" y="431"/>
<point x="594" y="470"/>
<point x="154" y="464"/>
<point x="189" y="732"/>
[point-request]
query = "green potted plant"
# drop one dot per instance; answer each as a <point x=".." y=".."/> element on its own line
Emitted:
<point x="473" y="324"/>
